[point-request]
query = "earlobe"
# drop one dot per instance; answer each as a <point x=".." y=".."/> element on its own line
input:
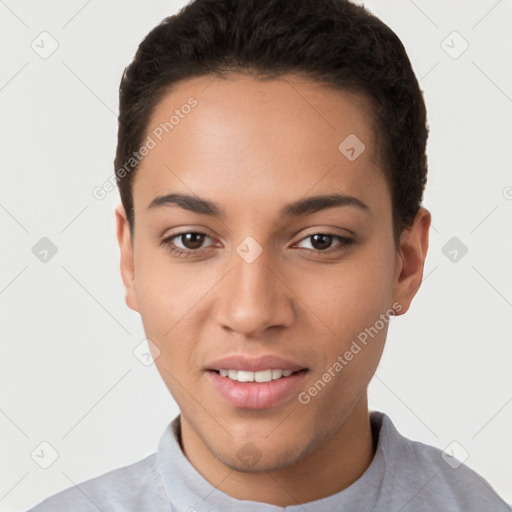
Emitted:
<point x="412" y="253"/>
<point x="127" y="261"/>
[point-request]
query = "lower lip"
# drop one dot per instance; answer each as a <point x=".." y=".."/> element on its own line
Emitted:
<point x="255" y="395"/>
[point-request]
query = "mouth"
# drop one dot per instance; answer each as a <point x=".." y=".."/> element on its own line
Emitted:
<point x="247" y="381"/>
<point x="268" y="375"/>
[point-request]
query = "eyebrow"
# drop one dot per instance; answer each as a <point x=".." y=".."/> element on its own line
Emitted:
<point x="305" y="206"/>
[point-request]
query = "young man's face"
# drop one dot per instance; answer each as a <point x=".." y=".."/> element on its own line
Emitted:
<point x="260" y="285"/>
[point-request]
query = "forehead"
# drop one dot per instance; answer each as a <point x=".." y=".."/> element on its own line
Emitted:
<point x="254" y="137"/>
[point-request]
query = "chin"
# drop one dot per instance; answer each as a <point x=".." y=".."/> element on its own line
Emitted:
<point x="252" y="457"/>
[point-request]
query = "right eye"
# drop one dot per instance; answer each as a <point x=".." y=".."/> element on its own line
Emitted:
<point x="190" y="240"/>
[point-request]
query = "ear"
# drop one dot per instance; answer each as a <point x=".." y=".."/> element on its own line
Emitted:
<point x="411" y="260"/>
<point x="127" y="262"/>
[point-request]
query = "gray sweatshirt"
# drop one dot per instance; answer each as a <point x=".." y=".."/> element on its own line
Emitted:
<point x="404" y="476"/>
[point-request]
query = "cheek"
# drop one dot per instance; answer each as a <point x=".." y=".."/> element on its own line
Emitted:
<point x="166" y="301"/>
<point x="165" y="291"/>
<point x="165" y="298"/>
<point x="352" y="346"/>
<point x="350" y="307"/>
<point x="351" y="296"/>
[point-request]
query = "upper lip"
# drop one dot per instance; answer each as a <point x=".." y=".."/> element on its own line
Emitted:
<point x="254" y="364"/>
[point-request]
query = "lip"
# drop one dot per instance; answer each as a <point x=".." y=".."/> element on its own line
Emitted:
<point x="254" y="364"/>
<point x="256" y="395"/>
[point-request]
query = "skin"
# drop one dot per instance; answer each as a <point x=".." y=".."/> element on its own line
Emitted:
<point x="252" y="146"/>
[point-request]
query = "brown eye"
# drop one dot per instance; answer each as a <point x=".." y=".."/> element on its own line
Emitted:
<point x="192" y="240"/>
<point x="323" y="243"/>
<point x="185" y="244"/>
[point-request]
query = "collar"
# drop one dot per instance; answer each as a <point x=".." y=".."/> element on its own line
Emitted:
<point x="189" y="491"/>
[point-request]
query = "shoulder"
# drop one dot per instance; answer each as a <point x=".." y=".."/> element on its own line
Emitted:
<point x="134" y="487"/>
<point x="429" y="478"/>
<point x="454" y="484"/>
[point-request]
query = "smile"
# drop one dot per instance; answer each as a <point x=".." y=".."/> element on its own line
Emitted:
<point x="260" y="376"/>
<point x="262" y="389"/>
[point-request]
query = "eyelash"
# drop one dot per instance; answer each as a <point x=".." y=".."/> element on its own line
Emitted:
<point x="344" y="242"/>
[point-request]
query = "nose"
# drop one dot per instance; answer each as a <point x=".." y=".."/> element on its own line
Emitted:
<point x="254" y="297"/>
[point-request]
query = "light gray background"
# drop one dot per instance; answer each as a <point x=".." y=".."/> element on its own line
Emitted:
<point x="69" y="375"/>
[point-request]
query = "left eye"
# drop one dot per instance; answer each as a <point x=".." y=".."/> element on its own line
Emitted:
<point x="322" y="242"/>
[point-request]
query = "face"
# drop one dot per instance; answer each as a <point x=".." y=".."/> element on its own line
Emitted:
<point x="250" y="275"/>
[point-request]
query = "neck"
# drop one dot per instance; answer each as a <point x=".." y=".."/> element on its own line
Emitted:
<point x="332" y="467"/>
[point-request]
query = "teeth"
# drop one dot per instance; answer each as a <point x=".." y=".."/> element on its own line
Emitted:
<point x="277" y="374"/>
<point x="262" y="376"/>
<point x="244" y="376"/>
